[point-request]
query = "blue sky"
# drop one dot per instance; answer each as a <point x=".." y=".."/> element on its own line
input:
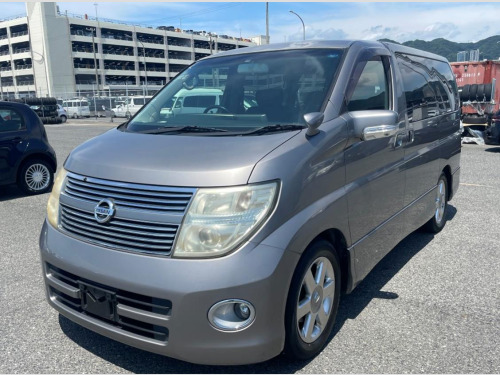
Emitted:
<point x="400" y="21"/>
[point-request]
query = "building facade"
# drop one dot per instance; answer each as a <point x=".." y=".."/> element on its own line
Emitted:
<point x="47" y="53"/>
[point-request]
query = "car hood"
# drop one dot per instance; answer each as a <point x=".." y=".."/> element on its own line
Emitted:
<point x="173" y="160"/>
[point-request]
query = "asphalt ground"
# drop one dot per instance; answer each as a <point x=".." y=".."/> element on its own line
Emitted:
<point x="430" y="306"/>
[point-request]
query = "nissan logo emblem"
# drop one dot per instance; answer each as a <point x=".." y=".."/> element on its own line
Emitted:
<point x="104" y="211"/>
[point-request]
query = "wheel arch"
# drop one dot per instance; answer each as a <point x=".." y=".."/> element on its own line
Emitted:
<point x="449" y="178"/>
<point x="338" y="240"/>
<point x="36" y="156"/>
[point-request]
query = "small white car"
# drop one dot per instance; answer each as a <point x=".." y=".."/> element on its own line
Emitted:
<point x="131" y="106"/>
<point x="61" y="112"/>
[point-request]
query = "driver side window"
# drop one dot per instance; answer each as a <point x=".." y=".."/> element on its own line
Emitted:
<point x="372" y="89"/>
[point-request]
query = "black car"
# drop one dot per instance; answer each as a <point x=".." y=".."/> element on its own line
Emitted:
<point x="26" y="157"/>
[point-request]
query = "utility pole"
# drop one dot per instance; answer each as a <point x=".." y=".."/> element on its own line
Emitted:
<point x="145" y="67"/>
<point x="267" y="23"/>
<point x="95" y="57"/>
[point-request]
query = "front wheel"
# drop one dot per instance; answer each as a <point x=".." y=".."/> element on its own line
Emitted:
<point x="36" y="177"/>
<point x="63" y="119"/>
<point x="313" y="301"/>
<point x="438" y="220"/>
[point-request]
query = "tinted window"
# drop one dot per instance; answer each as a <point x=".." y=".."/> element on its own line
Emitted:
<point x="199" y="101"/>
<point x="10" y="120"/>
<point x="371" y="90"/>
<point x="429" y="85"/>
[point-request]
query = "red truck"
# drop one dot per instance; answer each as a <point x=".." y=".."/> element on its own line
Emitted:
<point x="478" y="84"/>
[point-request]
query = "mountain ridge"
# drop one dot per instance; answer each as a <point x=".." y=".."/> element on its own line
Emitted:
<point x="489" y="48"/>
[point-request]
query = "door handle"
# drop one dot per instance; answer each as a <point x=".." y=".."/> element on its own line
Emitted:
<point x="399" y="140"/>
<point x="16" y="140"/>
<point x="377" y="132"/>
<point x="411" y="136"/>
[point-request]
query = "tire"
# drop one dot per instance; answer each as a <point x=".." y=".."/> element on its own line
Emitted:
<point x="480" y="93"/>
<point x="487" y="91"/>
<point x="75" y="116"/>
<point x="464" y="94"/>
<point x="63" y="119"/>
<point x="300" y="343"/>
<point x="35" y="177"/>
<point x="473" y="92"/>
<point x="438" y="220"/>
<point x="475" y="119"/>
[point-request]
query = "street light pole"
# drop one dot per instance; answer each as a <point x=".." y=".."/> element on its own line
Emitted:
<point x="303" y="26"/>
<point x="145" y="67"/>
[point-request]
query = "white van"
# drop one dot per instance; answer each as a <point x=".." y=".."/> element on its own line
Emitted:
<point x="76" y="108"/>
<point x="193" y="101"/>
<point x="130" y="106"/>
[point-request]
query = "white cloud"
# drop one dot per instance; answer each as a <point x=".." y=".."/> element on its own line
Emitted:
<point x="460" y="22"/>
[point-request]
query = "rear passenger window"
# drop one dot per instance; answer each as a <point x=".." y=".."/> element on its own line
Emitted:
<point x="371" y="90"/>
<point x="10" y="120"/>
<point x="199" y="101"/>
<point x="429" y="88"/>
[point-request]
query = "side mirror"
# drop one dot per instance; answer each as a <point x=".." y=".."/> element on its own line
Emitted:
<point x="374" y="124"/>
<point x="313" y="121"/>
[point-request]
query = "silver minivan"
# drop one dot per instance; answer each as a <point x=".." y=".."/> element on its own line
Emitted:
<point x="228" y="236"/>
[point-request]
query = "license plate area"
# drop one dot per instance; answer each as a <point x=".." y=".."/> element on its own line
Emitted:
<point x="98" y="302"/>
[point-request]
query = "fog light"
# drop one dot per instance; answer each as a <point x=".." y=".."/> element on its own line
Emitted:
<point x="242" y="311"/>
<point x="231" y="315"/>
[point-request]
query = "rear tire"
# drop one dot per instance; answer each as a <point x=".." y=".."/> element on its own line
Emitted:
<point x="313" y="301"/>
<point x="438" y="220"/>
<point x="35" y="177"/>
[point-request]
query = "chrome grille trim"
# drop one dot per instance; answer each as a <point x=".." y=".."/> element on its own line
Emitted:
<point x="122" y="234"/>
<point x="134" y="196"/>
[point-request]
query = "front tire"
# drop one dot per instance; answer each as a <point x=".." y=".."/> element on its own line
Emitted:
<point x="438" y="220"/>
<point x="63" y="119"/>
<point x="36" y="177"/>
<point x="313" y="301"/>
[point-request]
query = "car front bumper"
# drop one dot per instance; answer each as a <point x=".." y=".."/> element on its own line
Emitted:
<point x="188" y="287"/>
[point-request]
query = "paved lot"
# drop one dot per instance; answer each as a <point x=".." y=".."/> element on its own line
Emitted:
<point x="431" y="306"/>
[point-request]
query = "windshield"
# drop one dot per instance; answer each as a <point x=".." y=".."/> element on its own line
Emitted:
<point x="242" y="93"/>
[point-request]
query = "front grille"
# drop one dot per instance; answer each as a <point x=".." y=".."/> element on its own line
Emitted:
<point x="123" y="234"/>
<point x="135" y="313"/>
<point x="134" y="196"/>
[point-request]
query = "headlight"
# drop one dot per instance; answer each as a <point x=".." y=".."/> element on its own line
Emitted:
<point x="219" y="220"/>
<point x="53" y="204"/>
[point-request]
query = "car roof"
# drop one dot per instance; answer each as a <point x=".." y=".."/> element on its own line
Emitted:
<point x="342" y="44"/>
<point x="334" y="44"/>
<point x="14" y="104"/>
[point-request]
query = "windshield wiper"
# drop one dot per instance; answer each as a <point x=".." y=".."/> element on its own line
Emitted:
<point x="274" y="128"/>
<point x="183" y="129"/>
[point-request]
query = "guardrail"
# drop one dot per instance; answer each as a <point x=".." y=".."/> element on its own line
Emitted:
<point x="21" y="50"/>
<point x="83" y="66"/>
<point x="19" y="33"/>
<point x="9" y="18"/>
<point x="25" y="83"/>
